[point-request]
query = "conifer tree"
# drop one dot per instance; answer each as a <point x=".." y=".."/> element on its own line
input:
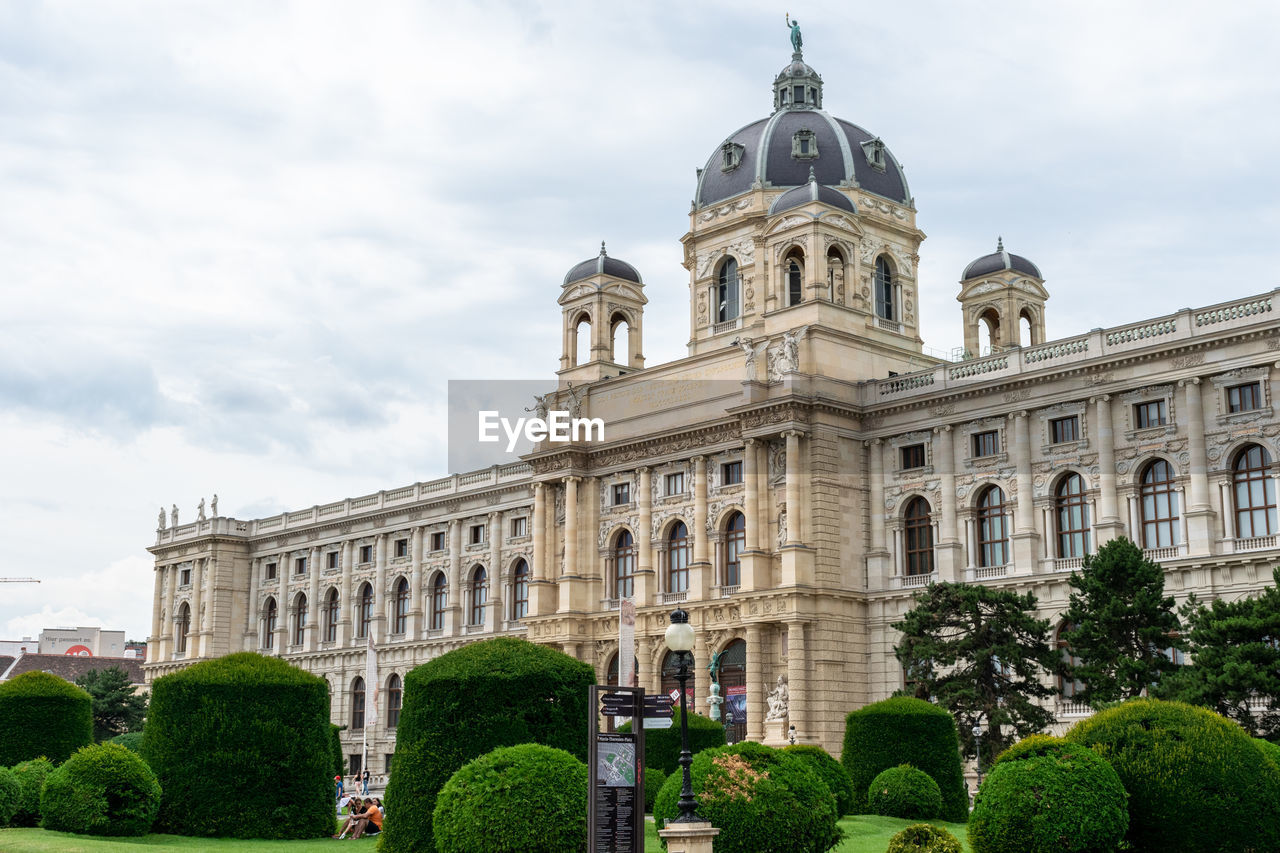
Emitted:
<point x="116" y="707"/>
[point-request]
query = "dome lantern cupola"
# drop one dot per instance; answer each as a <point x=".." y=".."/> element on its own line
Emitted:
<point x="798" y="86"/>
<point x="602" y="300"/>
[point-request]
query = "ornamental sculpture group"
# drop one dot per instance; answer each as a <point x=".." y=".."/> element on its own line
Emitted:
<point x="200" y="516"/>
<point x="783" y="359"/>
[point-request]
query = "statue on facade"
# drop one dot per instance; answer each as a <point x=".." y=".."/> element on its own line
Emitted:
<point x="540" y="406"/>
<point x="752" y="351"/>
<point x="160" y="521"/>
<point x="786" y="358"/>
<point x="797" y="43"/>
<point x="174" y="516"/>
<point x="714" y="667"/>
<point x="575" y="401"/>
<point x="213" y="505"/>
<point x="200" y="510"/>
<point x="778" y="699"/>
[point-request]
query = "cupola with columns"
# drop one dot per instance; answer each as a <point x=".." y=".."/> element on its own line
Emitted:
<point x="599" y="298"/>
<point x="1002" y="296"/>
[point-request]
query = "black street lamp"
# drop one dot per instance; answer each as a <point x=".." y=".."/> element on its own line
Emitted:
<point x="977" y="745"/>
<point x="680" y="640"/>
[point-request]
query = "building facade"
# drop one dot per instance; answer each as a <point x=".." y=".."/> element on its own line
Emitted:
<point x="791" y="482"/>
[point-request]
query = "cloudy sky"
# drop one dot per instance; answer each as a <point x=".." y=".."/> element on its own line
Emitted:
<point x="244" y="245"/>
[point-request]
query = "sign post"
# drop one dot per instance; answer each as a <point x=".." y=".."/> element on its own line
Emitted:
<point x="615" y="764"/>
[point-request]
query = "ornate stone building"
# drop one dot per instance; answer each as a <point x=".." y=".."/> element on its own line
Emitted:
<point x="791" y="481"/>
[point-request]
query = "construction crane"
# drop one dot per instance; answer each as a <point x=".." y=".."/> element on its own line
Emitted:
<point x="19" y="580"/>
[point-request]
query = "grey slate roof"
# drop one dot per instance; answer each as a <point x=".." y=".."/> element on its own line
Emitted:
<point x="998" y="261"/>
<point x="603" y="264"/>
<point x="812" y="191"/>
<point x="767" y="158"/>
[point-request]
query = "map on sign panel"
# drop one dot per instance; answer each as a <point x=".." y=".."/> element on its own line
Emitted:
<point x="616" y="765"/>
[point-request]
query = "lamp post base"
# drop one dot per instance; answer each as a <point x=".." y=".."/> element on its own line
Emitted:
<point x="689" y="837"/>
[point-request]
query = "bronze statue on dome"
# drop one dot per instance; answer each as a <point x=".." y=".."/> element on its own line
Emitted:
<point x="796" y="41"/>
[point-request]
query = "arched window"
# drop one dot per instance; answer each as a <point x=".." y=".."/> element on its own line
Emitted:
<point x="735" y="542"/>
<point x="269" y="619"/>
<point x="619" y="337"/>
<point x="727" y="291"/>
<point x="357" y="703"/>
<point x="1071" y="514"/>
<point x="988" y="332"/>
<point x="395" y="697"/>
<point x="400" y="624"/>
<point x="1160" y="519"/>
<point x="332" y="613"/>
<point x="520" y="590"/>
<point x="182" y="629"/>
<point x="299" y="619"/>
<point x="835" y="273"/>
<point x="364" y="616"/>
<point x="884" y="290"/>
<point x="624" y="566"/>
<point x="795" y="280"/>
<point x="678" y="558"/>
<point x="1067" y="688"/>
<point x="439" y="601"/>
<point x="479" y="594"/>
<point x="1255" y="493"/>
<point x="993" y="536"/>
<point x="733" y="688"/>
<point x="1026" y="329"/>
<point x="918" y="525"/>
<point x="582" y="339"/>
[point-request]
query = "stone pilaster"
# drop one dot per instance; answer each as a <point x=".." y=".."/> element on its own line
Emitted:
<point x="1198" y="512"/>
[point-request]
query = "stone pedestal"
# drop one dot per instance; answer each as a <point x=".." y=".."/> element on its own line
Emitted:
<point x="775" y="733"/>
<point x="689" y="837"/>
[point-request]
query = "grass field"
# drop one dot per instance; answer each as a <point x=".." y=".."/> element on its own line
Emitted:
<point x="863" y="834"/>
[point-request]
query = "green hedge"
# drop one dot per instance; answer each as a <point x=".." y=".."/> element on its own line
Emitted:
<point x="662" y="746"/>
<point x="1269" y="749"/>
<point x="924" y="838"/>
<point x="243" y="749"/>
<point x="1196" y="781"/>
<point x="831" y="771"/>
<point x="904" y="792"/>
<point x="653" y="780"/>
<point x="30" y="775"/>
<point x="492" y="693"/>
<point x="516" y="799"/>
<point x="129" y="740"/>
<point x="40" y="714"/>
<point x="903" y="730"/>
<point x="1045" y="795"/>
<point x="335" y="744"/>
<point x="10" y="795"/>
<point x="103" y="789"/>
<point x="761" y="799"/>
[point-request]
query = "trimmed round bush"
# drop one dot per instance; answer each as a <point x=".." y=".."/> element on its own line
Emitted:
<point x="761" y="799"/>
<point x="129" y="740"/>
<point x="903" y="730"/>
<point x="905" y="792"/>
<point x="10" y="795"/>
<point x="30" y="776"/>
<point x="41" y="714"/>
<point x="662" y="746"/>
<point x="1196" y="781"/>
<point x="1045" y="795"/>
<point x="517" y="799"/>
<point x="653" y="780"/>
<point x="101" y="790"/>
<point x="500" y="692"/>
<point x="1269" y="749"/>
<point x="831" y="771"/>
<point x="924" y="838"/>
<point x="242" y="723"/>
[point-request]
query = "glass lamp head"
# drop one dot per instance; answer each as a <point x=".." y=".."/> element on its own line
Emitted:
<point x="679" y="632"/>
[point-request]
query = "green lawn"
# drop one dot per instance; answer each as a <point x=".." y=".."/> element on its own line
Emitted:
<point x="864" y="834"/>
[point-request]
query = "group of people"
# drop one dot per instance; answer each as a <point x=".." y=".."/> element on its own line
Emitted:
<point x="365" y="815"/>
<point x="360" y="780"/>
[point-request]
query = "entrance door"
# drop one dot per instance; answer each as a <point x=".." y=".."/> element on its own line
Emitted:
<point x="733" y="687"/>
<point x="671" y="687"/>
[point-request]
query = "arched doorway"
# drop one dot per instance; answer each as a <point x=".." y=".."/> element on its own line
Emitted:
<point x="670" y="665"/>
<point x="733" y="687"/>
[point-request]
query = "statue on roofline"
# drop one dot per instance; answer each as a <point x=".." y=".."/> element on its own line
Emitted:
<point x="796" y="41"/>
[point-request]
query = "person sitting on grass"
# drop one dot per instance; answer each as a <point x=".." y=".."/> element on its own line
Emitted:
<point x="357" y="811"/>
<point x="369" y="822"/>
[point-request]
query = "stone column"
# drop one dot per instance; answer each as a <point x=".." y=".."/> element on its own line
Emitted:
<point x="539" y="568"/>
<point x="453" y="613"/>
<point x="762" y="470"/>
<point x="1198" y="512"/>
<point x="379" y="626"/>
<point x="344" y="596"/>
<point x="1024" y="536"/>
<point x="250" y="638"/>
<point x="157" y="603"/>
<point x="197" y="599"/>
<point x="571" y="526"/>
<point x="645" y="582"/>
<point x="1109" y="525"/>
<point x="756" y="687"/>
<point x="415" y="584"/>
<point x="313" y="600"/>
<point x="497" y="572"/>
<point x="553" y="570"/>
<point x="878" y="556"/>
<point x="794" y="516"/>
<point x="282" y="603"/>
<point x="700" y="570"/>
<point x="751" y="489"/>
<point x="798" y="684"/>
<point x="171" y="588"/>
<point x="948" y="549"/>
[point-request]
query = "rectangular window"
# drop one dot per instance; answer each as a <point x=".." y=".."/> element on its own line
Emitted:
<point x="986" y="443"/>
<point x="185" y="580"/>
<point x="674" y="484"/>
<point x="388" y="756"/>
<point x="1064" y="429"/>
<point x="402" y="547"/>
<point x="437" y="541"/>
<point x="366" y="553"/>
<point x="731" y="473"/>
<point x="913" y="456"/>
<point x="271" y="571"/>
<point x="332" y="557"/>
<point x="621" y="493"/>
<point x="1149" y="414"/>
<point x="519" y="527"/>
<point x="353" y="763"/>
<point x="1245" y="398"/>
<point x="477" y="534"/>
<point x="300" y="566"/>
